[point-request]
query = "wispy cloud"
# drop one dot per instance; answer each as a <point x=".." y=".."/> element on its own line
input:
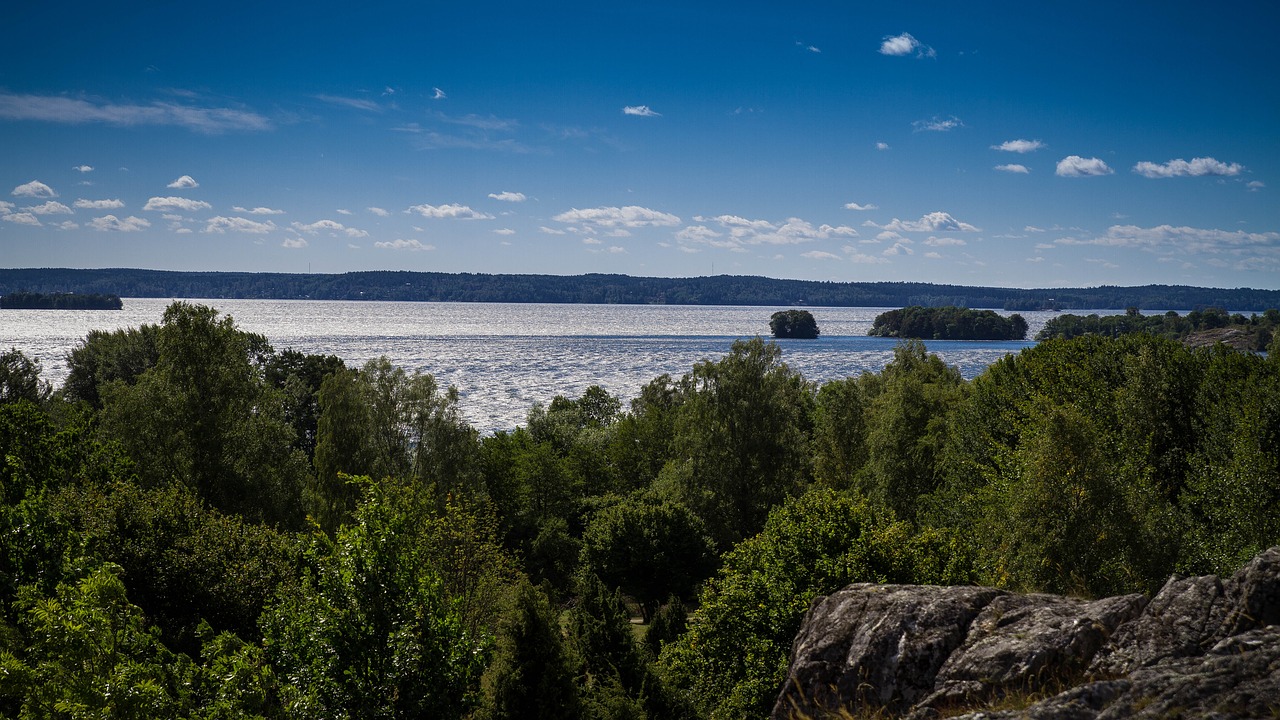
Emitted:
<point x="294" y="243"/>
<point x="1076" y="166"/>
<point x="882" y="146"/>
<point x="111" y="223"/>
<point x="1019" y="146"/>
<point x="1013" y="168"/>
<point x="631" y="216"/>
<point x="185" y="182"/>
<point x="449" y="211"/>
<point x="83" y="168"/>
<point x="937" y="124"/>
<point x="819" y="255"/>
<point x="933" y="241"/>
<point x="738" y="232"/>
<point x="905" y="44"/>
<point x="221" y="225"/>
<point x="856" y="206"/>
<point x="858" y="257"/>
<point x="258" y="211"/>
<point x="77" y="111"/>
<point x="1197" y="167"/>
<point x="354" y="103"/>
<point x="34" y="189"/>
<point x="113" y="204"/>
<point x="508" y="196"/>
<point x="331" y="226"/>
<point x="438" y="94"/>
<point x="479" y="122"/>
<point x="640" y="111"/>
<point x="1255" y="185"/>
<point x="810" y="48"/>
<point x="412" y="245"/>
<point x="380" y="212"/>
<point x="176" y="203"/>
<point x="504" y="231"/>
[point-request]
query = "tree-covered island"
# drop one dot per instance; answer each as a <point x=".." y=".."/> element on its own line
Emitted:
<point x="197" y="524"/>
<point x="1198" y="327"/>
<point x="948" y="323"/>
<point x="797" y="324"/>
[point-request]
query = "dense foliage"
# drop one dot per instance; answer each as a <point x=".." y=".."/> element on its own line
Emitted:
<point x="948" y="323"/>
<point x="793" y="324"/>
<point x="198" y="525"/>
<point x="614" y="289"/>
<point x="59" y="301"/>
<point x="1254" y="332"/>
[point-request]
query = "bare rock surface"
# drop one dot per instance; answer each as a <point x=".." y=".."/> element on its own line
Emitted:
<point x="1203" y="647"/>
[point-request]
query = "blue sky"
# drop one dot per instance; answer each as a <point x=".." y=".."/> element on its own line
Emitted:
<point x="1010" y="144"/>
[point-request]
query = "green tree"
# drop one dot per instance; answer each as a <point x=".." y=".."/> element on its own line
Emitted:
<point x="20" y="379"/>
<point x="840" y="429"/>
<point x="649" y="549"/>
<point x="109" y="355"/>
<point x="742" y="439"/>
<point x="793" y="324"/>
<point x="531" y="675"/>
<point x="371" y="632"/>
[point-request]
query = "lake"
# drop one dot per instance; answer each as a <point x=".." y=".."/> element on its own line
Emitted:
<point x="504" y="357"/>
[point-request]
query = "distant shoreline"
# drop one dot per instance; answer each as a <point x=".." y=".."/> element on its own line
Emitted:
<point x="614" y="289"/>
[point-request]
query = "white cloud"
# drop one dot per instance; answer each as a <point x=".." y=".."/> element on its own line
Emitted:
<point x="51" y="207"/>
<point x="1019" y="146"/>
<point x="819" y="255"/>
<point x="294" y="243"/>
<point x="438" y="94"/>
<point x="882" y="146"/>
<point x="1036" y="259"/>
<point x="898" y="249"/>
<point x="944" y="241"/>
<point x="317" y="226"/>
<point x="504" y="231"/>
<point x="937" y="221"/>
<point x="631" y="216"/>
<point x="1183" y="238"/>
<point x="461" y="212"/>
<point x="186" y="182"/>
<point x="1013" y="168"/>
<point x="740" y="232"/>
<point x="1181" y="168"/>
<point x="113" y="204"/>
<point x="258" y="211"/>
<point x="356" y="232"/>
<point x="477" y="122"/>
<point x="68" y="225"/>
<point x="354" y="103"/>
<point x="222" y="224"/>
<point x="616" y="250"/>
<point x="937" y="124"/>
<point x="856" y="206"/>
<point x="508" y="196"/>
<point x="24" y="218"/>
<point x="410" y="245"/>
<point x="1076" y="166"/>
<point x="640" y="111"/>
<point x="380" y="212"/>
<point x="1032" y="229"/>
<point x="888" y="235"/>
<point x="176" y="203"/>
<point x="83" y="168"/>
<point x="550" y="231"/>
<point x="933" y="255"/>
<point x="905" y="44"/>
<point x="75" y="111"/>
<point x="111" y="223"/>
<point x="34" y="189"/>
<point x="1256" y="185"/>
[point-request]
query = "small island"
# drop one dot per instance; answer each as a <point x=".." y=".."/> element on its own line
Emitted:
<point x="1198" y="328"/>
<point x="59" y="301"/>
<point x="797" y="324"/>
<point x="948" y="323"/>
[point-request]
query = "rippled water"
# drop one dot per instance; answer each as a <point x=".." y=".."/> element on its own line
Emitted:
<point x="505" y="357"/>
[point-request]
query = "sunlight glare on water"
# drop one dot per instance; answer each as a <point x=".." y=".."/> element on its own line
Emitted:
<point x="504" y="357"/>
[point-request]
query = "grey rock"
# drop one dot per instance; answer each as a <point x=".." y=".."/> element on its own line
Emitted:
<point x="876" y="644"/>
<point x="1202" y="647"/>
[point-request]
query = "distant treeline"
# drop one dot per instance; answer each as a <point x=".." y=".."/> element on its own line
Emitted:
<point x="59" y="301"/>
<point x="615" y="289"/>
<point x="948" y="323"/>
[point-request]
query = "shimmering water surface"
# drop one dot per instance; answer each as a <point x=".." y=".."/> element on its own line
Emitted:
<point x="505" y="357"/>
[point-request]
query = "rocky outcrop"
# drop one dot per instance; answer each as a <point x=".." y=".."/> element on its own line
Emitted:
<point x="1202" y="647"/>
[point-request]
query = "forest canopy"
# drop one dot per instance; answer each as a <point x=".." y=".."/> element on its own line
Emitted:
<point x="198" y="524"/>
<point x="948" y="323"/>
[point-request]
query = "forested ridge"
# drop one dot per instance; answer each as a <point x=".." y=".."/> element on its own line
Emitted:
<point x="199" y="525"/>
<point x="613" y="289"/>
